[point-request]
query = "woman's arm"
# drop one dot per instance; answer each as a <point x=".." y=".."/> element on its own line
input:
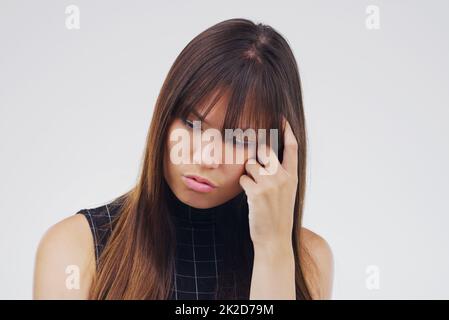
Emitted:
<point x="65" y="263"/>
<point x="273" y="273"/>
<point x="271" y="190"/>
<point x="274" y="269"/>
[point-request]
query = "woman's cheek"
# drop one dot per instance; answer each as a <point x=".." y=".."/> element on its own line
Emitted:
<point x="233" y="172"/>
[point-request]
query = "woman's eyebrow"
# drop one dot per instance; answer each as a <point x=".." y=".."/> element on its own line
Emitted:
<point x="200" y="117"/>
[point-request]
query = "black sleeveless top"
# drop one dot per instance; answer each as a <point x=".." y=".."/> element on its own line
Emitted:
<point x="199" y="247"/>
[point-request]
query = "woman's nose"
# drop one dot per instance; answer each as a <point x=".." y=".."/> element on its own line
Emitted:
<point x="207" y="154"/>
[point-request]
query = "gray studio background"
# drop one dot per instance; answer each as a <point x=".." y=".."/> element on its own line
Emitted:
<point x="75" y="106"/>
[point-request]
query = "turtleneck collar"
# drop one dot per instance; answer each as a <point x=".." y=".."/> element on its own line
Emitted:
<point x="185" y="213"/>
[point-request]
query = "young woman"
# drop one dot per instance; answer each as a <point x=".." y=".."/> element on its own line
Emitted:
<point x="204" y="229"/>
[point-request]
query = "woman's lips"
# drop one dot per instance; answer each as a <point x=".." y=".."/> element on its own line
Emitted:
<point x="195" y="185"/>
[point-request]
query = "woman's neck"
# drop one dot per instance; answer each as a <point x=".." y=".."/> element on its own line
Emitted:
<point x="197" y="216"/>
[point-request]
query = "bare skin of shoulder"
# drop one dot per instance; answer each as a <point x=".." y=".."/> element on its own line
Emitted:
<point x="65" y="261"/>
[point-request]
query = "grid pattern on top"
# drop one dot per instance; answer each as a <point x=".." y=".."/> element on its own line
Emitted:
<point x="199" y="259"/>
<point x="199" y="252"/>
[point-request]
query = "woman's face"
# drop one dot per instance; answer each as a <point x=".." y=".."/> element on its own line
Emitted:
<point x="224" y="175"/>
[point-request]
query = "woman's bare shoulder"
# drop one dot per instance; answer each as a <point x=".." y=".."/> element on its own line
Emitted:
<point x="318" y="264"/>
<point x="65" y="260"/>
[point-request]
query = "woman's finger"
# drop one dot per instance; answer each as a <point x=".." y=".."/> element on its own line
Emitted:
<point x="255" y="170"/>
<point x="247" y="183"/>
<point x="290" y="155"/>
<point x="268" y="157"/>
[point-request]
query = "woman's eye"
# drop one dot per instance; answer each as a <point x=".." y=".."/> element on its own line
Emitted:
<point x="239" y="142"/>
<point x="188" y="123"/>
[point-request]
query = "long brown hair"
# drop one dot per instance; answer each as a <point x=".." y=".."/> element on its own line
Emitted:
<point x="253" y="65"/>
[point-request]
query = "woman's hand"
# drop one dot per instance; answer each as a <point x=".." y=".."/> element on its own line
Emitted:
<point x="271" y="195"/>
